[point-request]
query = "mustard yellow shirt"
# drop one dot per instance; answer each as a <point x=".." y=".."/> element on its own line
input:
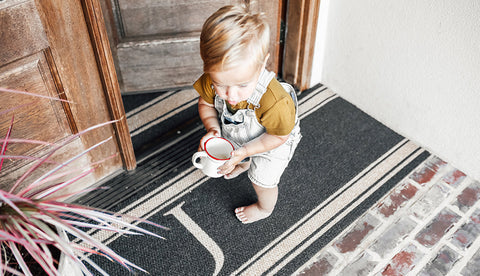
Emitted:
<point x="276" y="112"/>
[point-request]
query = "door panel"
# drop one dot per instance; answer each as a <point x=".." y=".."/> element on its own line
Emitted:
<point x="159" y="64"/>
<point x="32" y="74"/>
<point x="156" y="43"/>
<point x="151" y="17"/>
<point x="46" y="50"/>
<point x="29" y="36"/>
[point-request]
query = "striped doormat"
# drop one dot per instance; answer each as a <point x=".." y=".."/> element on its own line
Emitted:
<point x="345" y="162"/>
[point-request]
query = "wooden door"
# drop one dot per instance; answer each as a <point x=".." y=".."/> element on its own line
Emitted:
<point x="46" y="49"/>
<point x="155" y="43"/>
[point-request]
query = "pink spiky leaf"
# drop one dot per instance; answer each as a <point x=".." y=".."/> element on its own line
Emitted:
<point x="7" y="201"/>
<point x="6" y="268"/>
<point x="6" y="111"/>
<point x="42" y="188"/>
<point x="93" y="242"/>
<point x="3" y="89"/>
<point x="32" y="230"/>
<point x="76" y="193"/>
<point x="18" y="256"/>
<point x="52" y="151"/>
<point x="26" y="141"/>
<point x="5" y="142"/>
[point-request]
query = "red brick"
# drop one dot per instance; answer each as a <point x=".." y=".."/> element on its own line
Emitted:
<point x="322" y="266"/>
<point x="437" y="228"/>
<point x="454" y="178"/>
<point x="476" y="217"/>
<point x="352" y="239"/>
<point x="473" y="265"/>
<point x="468" y="197"/>
<point x="442" y="263"/>
<point x="434" y="197"/>
<point x="427" y="172"/>
<point x="392" y="236"/>
<point x="403" y="262"/>
<point x="403" y="193"/>
<point x="468" y="232"/>
<point x="362" y="265"/>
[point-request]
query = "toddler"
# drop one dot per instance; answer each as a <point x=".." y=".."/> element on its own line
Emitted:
<point x="241" y="101"/>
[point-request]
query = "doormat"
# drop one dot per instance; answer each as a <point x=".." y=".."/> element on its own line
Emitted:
<point x="344" y="163"/>
<point x="153" y="116"/>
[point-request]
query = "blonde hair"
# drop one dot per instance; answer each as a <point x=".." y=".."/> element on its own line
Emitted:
<point x="233" y="35"/>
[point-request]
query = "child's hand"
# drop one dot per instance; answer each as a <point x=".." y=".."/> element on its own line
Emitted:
<point x="213" y="132"/>
<point x="237" y="157"/>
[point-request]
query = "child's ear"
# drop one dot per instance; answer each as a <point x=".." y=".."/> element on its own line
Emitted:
<point x="265" y="61"/>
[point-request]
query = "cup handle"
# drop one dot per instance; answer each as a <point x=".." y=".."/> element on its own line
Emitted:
<point x="196" y="159"/>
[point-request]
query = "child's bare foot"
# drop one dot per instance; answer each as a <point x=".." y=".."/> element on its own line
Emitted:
<point x="239" y="169"/>
<point x="251" y="213"/>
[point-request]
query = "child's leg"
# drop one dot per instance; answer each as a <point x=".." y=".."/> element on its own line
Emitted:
<point x="267" y="198"/>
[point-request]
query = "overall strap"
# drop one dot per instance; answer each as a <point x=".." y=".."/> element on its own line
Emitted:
<point x="263" y="80"/>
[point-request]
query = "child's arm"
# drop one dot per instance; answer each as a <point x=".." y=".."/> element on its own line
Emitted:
<point x="208" y="115"/>
<point x="263" y="143"/>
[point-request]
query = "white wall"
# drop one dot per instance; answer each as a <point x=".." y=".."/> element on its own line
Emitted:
<point x="412" y="65"/>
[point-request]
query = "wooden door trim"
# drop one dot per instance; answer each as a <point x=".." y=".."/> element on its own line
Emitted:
<point x="98" y="34"/>
<point x="60" y="90"/>
<point x="300" y="41"/>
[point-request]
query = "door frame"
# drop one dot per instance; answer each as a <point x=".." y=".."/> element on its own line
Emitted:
<point x="101" y="47"/>
<point x="302" y="18"/>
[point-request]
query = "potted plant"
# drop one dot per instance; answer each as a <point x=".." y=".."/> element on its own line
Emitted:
<point x="34" y="219"/>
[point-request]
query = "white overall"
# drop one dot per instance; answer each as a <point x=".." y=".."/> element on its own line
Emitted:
<point x="243" y="127"/>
